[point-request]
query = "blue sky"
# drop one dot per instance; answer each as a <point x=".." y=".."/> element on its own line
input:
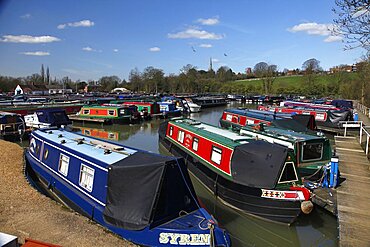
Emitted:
<point x="90" y="39"/>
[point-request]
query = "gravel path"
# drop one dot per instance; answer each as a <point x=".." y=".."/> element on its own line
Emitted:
<point x="26" y="213"/>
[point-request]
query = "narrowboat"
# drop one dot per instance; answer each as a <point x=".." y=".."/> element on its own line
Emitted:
<point x="210" y="101"/>
<point x="312" y="150"/>
<point x="114" y="113"/>
<point x="169" y="109"/>
<point x="326" y="119"/>
<point x="253" y="176"/>
<point x="237" y="118"/>
<point x="143" y="197"/>
<point x="70" y="107"/>
<point x="12" y="126"/>
<point x="46" y="118"/>
<point x="147" y="109"/>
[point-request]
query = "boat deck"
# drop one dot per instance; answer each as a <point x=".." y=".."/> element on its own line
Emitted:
<point x="353" y="194"/>
<point x="90" y="120"/>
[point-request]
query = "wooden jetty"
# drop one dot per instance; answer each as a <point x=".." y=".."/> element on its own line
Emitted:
<point x="353" y="194"/>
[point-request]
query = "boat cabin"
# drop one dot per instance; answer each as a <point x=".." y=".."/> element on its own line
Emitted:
<point x="46" y="118"/>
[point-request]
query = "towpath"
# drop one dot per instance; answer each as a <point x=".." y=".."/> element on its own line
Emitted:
<point x="26" y="213"/>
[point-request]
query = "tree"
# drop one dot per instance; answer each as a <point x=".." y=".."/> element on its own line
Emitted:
<point x="42" y="74"/>
<point x="363" y="69"/>
<point x="153" y="78"/>
<point x="135" y="80"/>
<point x="108" y="83"/>
<point x="47" y="75"/>
<point x="267" y="72"/>
<point x="352" y="22"/>
<point x="311" y="66"/>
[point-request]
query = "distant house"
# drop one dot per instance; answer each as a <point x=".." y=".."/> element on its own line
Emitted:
<point x="342" y="68"/>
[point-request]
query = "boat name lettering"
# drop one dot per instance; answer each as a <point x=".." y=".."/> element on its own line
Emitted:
<point x="184" y="239"/>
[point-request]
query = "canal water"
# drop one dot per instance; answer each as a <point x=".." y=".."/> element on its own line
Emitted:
<point x="317" y="229"/>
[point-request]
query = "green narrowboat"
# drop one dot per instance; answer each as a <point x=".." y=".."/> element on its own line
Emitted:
<point x="114" y="114"/>
<point x="312" y="150"/>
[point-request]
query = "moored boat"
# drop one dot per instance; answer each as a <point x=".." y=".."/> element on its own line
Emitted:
<point x="312" y="150"/>
<point x="326" y="119"/>
<point x="254" y="176"/>
<point x="169" y="109"/>
<point x="210" y="101"/>
<point x="143" y="197"/>
<point x="12" y="126"/>
<point x="114" y="113"/>
<point x="237" y="118"/>
<point x="147" y="109"/>
<point x="46" y="118"/>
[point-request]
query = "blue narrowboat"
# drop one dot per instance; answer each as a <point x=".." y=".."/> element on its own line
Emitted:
<point x="169" y="109"/>
<point x="145" y="198"/>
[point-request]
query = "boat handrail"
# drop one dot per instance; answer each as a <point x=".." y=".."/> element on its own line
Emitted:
<point x="362" y="130"/>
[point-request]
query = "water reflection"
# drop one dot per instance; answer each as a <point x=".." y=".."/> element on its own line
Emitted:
<point x="317" y="229"/>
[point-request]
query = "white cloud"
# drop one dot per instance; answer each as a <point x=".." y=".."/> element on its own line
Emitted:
<point x="193" y="33"/>
<point x="205" y="45"/>
<point x="87" y="48"/>
<point x="26" y="16"/>
<point x="332" y="38"/>
<point x="154" y="49"/>
<point x="36" y="53"/>
<point x="28" y="39"/>
<point x="313" y="28"/>
<point x="209" y="21"/>
<point x="83" y="23"/>
<point x="115" y="50"/>
<point x="215" y="60"/>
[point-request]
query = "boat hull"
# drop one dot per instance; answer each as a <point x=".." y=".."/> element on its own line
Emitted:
<point x="243" y="198"/>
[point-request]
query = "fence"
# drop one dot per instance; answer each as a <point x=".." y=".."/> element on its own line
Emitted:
<point x="360" y="107"/>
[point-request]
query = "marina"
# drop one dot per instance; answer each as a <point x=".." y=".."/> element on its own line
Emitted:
<point x="317" y="228"/>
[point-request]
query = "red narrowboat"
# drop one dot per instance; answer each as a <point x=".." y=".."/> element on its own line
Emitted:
<point x="254" y="176"/>
<point x="237" y="118"/>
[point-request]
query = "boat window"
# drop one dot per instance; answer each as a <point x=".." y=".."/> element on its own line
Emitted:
<point x="46" y="153"/>
<point x="63" y="164"/>
<point x="111" y="112"/>
<point x="86" y="177"/>
<point x="180" y="136"/>
<point x="37" y="149"/>
<point x="87" y="112"/>
<point x="195" y="144"/>
<point x="288" y="174"/>
<point x="312" y="151"/>
<point x="171" y="130"/>
<point x="216" y="155"/>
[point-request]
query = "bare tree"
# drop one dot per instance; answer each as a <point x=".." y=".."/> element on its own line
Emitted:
<point x="311" y="67"/>
<point x="353" y="22"/>
<point x="267" y="72"/>
<point x="47" y="76"/>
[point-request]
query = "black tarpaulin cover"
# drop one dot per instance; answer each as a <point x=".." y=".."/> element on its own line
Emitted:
<point x="336" y="116"/>
<point x="258" y="164"/>
<point x="146" y="188"/>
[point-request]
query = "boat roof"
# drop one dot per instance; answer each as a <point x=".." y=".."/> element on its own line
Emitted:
<point x="112" y="106"/>
<point x="87" y="145"/>
<point x="222" y="136"/>
<point x="255" y="113"/>
<point x="285" y="134"/>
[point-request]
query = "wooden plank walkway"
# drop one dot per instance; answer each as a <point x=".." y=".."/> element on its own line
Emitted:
<point x="353" y="195"/>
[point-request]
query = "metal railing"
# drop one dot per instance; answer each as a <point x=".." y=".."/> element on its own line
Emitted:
<point x="364" y="109"/>
<point x="365" y="130"/>
<point x="362" y="130"/>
